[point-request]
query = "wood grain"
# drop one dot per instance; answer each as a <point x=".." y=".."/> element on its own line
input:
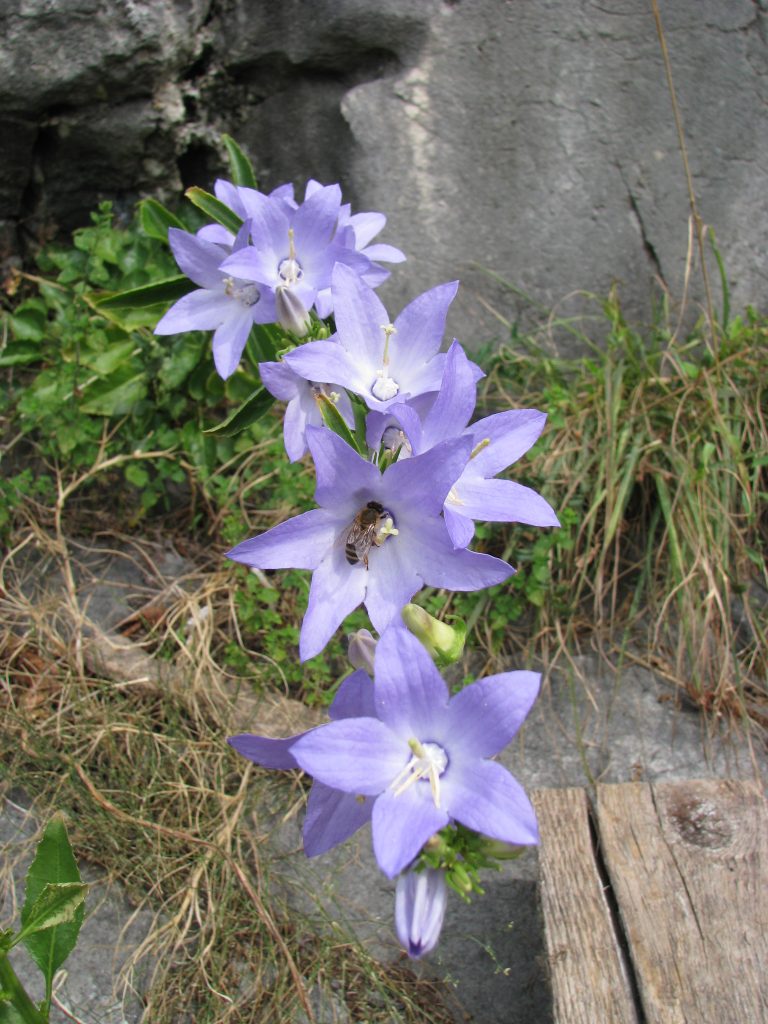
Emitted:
<point x="589" y="983"/>
<point x="687" y="863"/>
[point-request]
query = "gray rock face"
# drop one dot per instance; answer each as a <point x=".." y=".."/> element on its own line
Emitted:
<point x="532" y="140"/>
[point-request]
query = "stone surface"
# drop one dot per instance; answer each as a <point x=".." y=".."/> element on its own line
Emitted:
<point x="531" y="140"/>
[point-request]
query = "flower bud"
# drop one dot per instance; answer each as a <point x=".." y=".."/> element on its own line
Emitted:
<point x="290" y="310"/>
<point x="445" y="643"/>
<point x="360" y="650"/>
<point x="420" y="901"/>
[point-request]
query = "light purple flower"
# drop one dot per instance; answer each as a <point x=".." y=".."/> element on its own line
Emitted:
<point x="294" y="249"/>
<point x="497" y="442"/>
<point x="411" y="546"/>
<point x="302" y="409"/>
<point x="332" y="816"/>
<point x="382" y="362"/>
<point x="420" y="901"/>
<point x="225" y="304"/>
<point x="424" y="756"/>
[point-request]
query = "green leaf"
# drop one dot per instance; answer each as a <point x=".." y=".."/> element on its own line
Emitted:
<point x="28" y="323"/>
<point x="213" y="207"/>
<point x="155" y="219"/>
<point x="106" y="362"/>
<point x="56" y="904"/>
<point x="54" y="863"/>
<point x="117" y="394"/>
<point x="335" y="421"/>
<point x="162" y="292"/>
<point x="10" y="1015"/>
<point x="18" y="353"/>
<point x="240" y="166"/>
<point x="263" y="343"/>
<point x="249" y="412"/>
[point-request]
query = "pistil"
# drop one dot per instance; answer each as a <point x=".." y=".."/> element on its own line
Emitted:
<point x="384" y="387"/>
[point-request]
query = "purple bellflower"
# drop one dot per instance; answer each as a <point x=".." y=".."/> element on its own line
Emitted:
<point x="424" y="756"/>
<point x="332" y="815"/>
<point x="382" y="362"/>
<point x="376" y="538"/>
<point x="497" y="442"/>
<point x="420" y="901"/>
<point x="302" y="410"/>
<point x="225" y="304"/>
<point x="293" y="251"/>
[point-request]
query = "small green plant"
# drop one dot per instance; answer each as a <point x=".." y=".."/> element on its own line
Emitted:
<point x="51" y="918"/>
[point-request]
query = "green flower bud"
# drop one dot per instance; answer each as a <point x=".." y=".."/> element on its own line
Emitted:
<point x="445" y="643"/>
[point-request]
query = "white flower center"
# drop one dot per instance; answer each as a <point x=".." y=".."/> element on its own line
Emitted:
<point x="384" y="387"/>
<point x="429" y="761"/>
<point x="289" y="269"/>
<point x="246" y="293"/>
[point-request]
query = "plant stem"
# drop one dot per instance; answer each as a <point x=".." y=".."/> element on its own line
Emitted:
<point x="9" y="983"/>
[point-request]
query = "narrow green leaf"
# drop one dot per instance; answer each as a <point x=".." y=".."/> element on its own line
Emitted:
<point x="54" y="862"/>
<point x="148" y="295"/>
<point x="155" y="219"/>
<point x="335" y="421"/>
<point x="240" y="166"/>
<point x="57" y="903"/>
<point x="263" y="343"/>
<point x="213" y="207"/>
<point x="252" y="409"/>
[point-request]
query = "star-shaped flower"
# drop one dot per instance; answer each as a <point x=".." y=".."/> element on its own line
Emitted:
<point x="382" y="362"/>
<point x="376" y="538"/>
<point x="227" y="305"/>
<point x="497" y="442"/>
<point x="424" y="756"/>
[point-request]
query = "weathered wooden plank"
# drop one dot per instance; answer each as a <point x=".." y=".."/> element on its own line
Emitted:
<point x="589" y="983"/>
<point x="687" y="863"/>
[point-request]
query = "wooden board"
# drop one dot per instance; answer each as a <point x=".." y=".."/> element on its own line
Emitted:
<point x="687" y="863"/>
<point x="589" y="981"/>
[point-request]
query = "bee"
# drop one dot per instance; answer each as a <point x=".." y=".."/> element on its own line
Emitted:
<point x="372" y="525"/>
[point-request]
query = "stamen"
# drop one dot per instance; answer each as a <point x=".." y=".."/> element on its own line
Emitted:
<point x="479" y="447"/>
<point x="429" y="761"/>
<point x="289" y="269"/>
<point x="386" y="529"/>
<point x="245" y="292"/>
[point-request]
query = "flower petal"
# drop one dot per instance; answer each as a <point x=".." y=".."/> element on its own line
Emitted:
<point x="359" y="317"/>
<point x="229" y="342"/>
<point x="356" y="755"/>
<point x="332" y="817"/>
<point x="441" y="565"/>
<point x="327" y="360"/>
<point x="511" y="434"/>
<point x="345" y="480"/>
<point x="280" y="380"/>
<point x="269" y="753"/>
<point x="299" y="543"/>
<point x="200" y="310"/>
<point x="461" y="529"/>
<point x="502" y="501"/>
<point x="411" y="695"/>
<point x="354" y="698"/>
<point x="402" y="824"/>
<point x="337" y="588"/>
<point x="314" y="223"/>
<point x="484" y="796"/>
<point x="455" y="401"/>
<point x="483" y="717"/>
<point x="426" y="479"/>
<point x="391" y="583"/>
<point x="199" y="259"/>
<point x="420" y="329"/>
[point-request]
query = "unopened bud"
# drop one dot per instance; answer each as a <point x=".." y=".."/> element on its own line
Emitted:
<point x="290" y="310"/>
<point x="420" y="901"/>
<point x="445" y="643"/>
<point x="360" y="650"/>
<point x="499" y="850"/>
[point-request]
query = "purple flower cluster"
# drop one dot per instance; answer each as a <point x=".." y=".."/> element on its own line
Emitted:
<point x="402" y="474"/>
